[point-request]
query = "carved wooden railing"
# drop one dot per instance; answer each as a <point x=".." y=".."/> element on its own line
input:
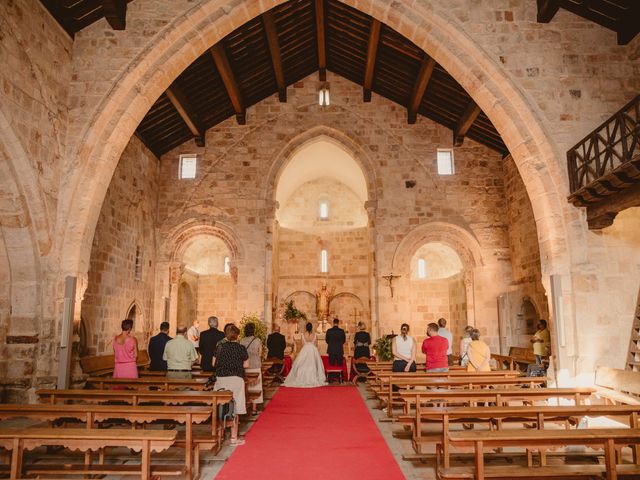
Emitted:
<point x="602" y="163"/>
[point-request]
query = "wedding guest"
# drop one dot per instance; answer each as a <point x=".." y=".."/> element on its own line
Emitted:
<point x="125" y="352"/>
<point x="179" y="354"/>
<point x="276" y="344"/>
<point x="193" y="334"/>
<point x="361" y="341"/>
<point x="435" y="348"/>
<point x="464" y="345"/>
<point x="403" y="348"/>
<point x="541" y="341"/>
<point x="208" y="342"/>
<point x="444" y="332"/>
<point x="156" y="348"/>
<point x="478" y="353"/>
<point x="254" y="349"/>
<point x="230" y="362"/>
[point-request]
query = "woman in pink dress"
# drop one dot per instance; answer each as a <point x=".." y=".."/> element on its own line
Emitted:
<point x="125" y="352"/>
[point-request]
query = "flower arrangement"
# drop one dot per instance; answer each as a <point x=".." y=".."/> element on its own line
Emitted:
<point x="260" y="327"/>
<point x="292" y="314"/>
<point x="382" y="348"/>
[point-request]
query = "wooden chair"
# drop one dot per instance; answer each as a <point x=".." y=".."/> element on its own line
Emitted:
<point x="361" y="369"/>
<point x="275" y="372"/>
<point x="333" y="370"/>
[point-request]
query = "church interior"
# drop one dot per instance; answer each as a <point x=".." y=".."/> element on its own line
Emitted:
<point x="379" y="162"/>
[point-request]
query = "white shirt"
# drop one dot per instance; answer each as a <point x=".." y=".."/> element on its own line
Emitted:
<point x="403" y="347"/>
<point x="192" y="334"/>
<point x="446" y="333"/>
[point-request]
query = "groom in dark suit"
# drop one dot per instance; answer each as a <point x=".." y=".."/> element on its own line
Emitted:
<point x="335" y="340"/>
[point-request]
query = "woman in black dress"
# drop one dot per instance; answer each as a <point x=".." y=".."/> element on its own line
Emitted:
<point x="361" y="341"/>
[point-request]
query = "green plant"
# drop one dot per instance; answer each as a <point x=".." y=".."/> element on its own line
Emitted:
<point x="291" y="313"/>
<point x="260" y="328"/>
<point x="383" y="349"/>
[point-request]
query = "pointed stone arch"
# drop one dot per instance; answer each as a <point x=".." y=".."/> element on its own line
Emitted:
<point x="437" y="32"/>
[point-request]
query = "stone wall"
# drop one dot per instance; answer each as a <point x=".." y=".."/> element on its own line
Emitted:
<point x="525" y="255"/>
<point x="217" y="296"/>
<point x="127" y="223"/>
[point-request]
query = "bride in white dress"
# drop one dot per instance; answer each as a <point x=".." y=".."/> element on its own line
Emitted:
<point x="307" y="370"/>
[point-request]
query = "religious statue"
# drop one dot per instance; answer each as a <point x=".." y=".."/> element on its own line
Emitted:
<point x="323" y="299"/>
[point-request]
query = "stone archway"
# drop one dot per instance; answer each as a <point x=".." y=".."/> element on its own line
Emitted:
<point x="119" y="113"/>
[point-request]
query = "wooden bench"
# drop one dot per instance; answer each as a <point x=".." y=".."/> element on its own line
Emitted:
<point x="504" y="362"/>
<point x="606" y="438"/>
<point x="618" y="386"/>
<point x="134" y="397"/>
<point x="522" y="357"/>
<point x="103" y="364"/>
<point x="95" y="415"/>
<point x="471" y="383"/>
<point x="20" y="439"/>
<point x="496" y="416"/>
<point x="147" y="383"/>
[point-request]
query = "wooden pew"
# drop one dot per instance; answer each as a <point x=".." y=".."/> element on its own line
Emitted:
<point x="103" y="364"/>
<point x="94" y="415"/>
<point x="473" y="382"/>
<point x="522" y="357"/>
<point x="536" y="414"/>
<point x="618" y="386"/>
<point x="501" y="397"/>
<point x="135" y="397"/>
<point x="20" y="439"/>
<point x="606" y="438"/>
<point x="504" y="362"/>
<point x="146" y="383"/>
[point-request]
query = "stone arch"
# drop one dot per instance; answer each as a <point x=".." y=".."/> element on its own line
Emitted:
<point x="438" y="33"/>
<point x="458" y="238"/>
<point x="183" y="235"/>
<point x="321" y="132"/>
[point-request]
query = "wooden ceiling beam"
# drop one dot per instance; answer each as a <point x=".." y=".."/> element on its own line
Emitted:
<point x="276" y="59"/>
<point x="547" y="10"/>
<point x="372" y="51"/>
<point x="115" y="11"/>
<point x="464" y="123"/>
<point x="228" y="78"/>
<point x="321" y="38"/>
<point x="181" y="103"/>
<point x="422" y="81"/>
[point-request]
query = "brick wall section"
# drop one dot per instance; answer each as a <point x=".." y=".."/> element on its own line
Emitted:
<point x="127" y="220"/>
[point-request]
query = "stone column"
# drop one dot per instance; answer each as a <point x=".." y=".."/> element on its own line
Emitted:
<point x="371" y="207"/>
<point x="175" y="273"/>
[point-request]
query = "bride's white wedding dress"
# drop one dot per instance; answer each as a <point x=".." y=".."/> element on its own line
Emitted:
<point x="307" y="370"/>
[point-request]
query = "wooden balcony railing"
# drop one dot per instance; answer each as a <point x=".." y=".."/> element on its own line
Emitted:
<point x="606" y="163"/>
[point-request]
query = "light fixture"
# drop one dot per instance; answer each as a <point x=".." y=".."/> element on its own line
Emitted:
<point x="323" y="95"/>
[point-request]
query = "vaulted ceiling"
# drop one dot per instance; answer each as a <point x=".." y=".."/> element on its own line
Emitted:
<point x="300" y="37"/>
<point x="292" y="41"/>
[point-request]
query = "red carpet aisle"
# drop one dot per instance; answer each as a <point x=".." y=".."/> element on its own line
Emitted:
<point x="317" y="433"/>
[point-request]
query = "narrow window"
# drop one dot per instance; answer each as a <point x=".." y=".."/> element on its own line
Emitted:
<point x="422" y="268"/>
<point x="138" y="267"/>
<point x="324" y="210"/>
<point x="188" y="164"/>
<point x="227" y="265"/>
<point x="324" y="261"/>
<point x="445" y="161"/>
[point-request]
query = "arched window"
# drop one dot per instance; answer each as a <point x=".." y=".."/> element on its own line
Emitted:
<point x="227" y="264"/>
<point x="422" y="268"/>
<point x="324" y="261"/>
<point x="324" y="210"/>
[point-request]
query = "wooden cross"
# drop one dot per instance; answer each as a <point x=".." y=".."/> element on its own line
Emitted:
<point x="355" y="315"/>
<point x="390" y="278"/>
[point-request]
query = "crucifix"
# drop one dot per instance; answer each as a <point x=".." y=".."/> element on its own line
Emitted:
<point x="390" y="278"/>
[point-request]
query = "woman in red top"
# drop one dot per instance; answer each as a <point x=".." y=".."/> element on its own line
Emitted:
<point x="435" y="348"/>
